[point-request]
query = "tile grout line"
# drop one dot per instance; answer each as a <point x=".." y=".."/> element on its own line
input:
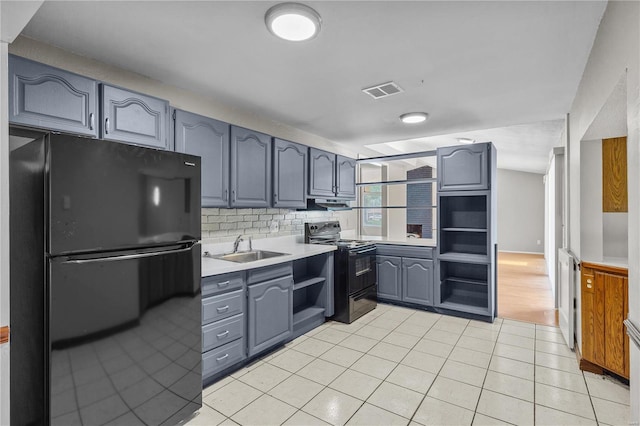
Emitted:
<point x="475" y="411"/>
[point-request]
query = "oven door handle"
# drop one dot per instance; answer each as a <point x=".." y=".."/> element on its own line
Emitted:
<point x="365" y="251"/>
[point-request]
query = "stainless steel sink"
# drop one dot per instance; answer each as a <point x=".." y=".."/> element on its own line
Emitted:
<point x="249" y="256"/>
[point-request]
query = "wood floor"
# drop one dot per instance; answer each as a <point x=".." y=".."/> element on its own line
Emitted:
<point x="524" y="292"/>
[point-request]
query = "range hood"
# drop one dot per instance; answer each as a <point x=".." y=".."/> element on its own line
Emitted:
<point x="325" y="204"/>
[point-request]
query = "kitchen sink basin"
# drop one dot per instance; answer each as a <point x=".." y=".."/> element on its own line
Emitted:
<point x="250" y="256"/>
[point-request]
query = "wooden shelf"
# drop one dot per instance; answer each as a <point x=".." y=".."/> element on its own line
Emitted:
<point x="306" y="282"/>
<point x="464" y="257"/>
<point x="398" y="182"/>
<point x="305" y="312"/>
<point x="464" y="229"/>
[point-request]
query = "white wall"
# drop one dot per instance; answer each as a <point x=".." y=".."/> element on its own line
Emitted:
<point x="591" y="200"/>
<point x="521" y="211"/>
<point x="615" y="52"/>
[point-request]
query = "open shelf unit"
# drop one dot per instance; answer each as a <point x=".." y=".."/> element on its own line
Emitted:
<point x="312" y="297"/>
<point x="467" y="237"/>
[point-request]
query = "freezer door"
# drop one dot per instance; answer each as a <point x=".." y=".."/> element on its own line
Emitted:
<point x="125" y="335"/>
<point x="108" y="195"/>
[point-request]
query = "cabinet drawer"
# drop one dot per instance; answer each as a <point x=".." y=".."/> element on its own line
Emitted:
<point x="223" y="306"/>
<point x="269" y="273"/>
<point x="222" y="332"/>
<point x="222" y="283"/>
<point x="225" y="356"/>
<point x="404" y="251"/>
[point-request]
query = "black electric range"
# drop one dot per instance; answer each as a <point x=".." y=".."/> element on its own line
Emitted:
<point x="355" y="284"/>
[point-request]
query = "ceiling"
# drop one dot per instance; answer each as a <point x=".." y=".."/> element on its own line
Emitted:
<point x="471" y="65"/>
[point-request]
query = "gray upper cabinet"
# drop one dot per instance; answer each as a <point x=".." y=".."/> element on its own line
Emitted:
<point x="464" y="167"/>
<point x="270" y="313"/>
<point x="417" y="281"/>
<point x="250" y="168"/>
<point x="50" y="98"/>
<point x="322" y="173"/>
<point x="289" y="174"/>
<point x="346" y="177"/>
<point x="209" y="139"/>
<point x="331" y="175"/>
<point x="389" y="277"/>
<point x="134" y="118"/>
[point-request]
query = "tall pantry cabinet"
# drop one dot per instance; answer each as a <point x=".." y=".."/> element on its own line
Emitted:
<point x="467" y="241"/>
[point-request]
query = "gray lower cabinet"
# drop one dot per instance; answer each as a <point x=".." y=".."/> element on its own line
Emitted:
<point x="389" y="277"/>
<point x="209" y="139"/>
<point x="250" y="168"/>
<point x="223" y="322"/>
<point x="50" y="98"/>
<point x="464" y="167"/>
<point x="345" y="177"/>
<point x="134" y="118"/>
<point x="289" y="174"/>
<point x="269" y="313"/>
<point x="417" y="281"/>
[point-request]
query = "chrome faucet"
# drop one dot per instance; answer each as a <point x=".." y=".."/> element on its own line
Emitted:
<point x="236" y="243"/>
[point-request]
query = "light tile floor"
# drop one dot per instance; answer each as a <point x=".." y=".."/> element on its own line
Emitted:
<point x="398" y="366"/>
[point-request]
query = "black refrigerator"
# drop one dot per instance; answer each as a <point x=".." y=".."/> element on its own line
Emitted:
<point x="105" y="282"/>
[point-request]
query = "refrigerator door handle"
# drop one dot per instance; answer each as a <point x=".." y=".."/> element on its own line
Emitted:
<point x="129" y="256"/>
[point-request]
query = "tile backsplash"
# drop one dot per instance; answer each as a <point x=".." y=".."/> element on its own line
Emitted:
<point x="222" y="225"/>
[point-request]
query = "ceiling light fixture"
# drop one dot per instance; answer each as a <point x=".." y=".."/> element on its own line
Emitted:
<point x="293" y="21"/>
<point x="466" y="140"/>
<point x="414" y="117"/>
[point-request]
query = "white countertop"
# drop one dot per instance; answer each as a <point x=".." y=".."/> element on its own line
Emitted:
<point x="293" y="246"/>
<point x="617" y="262"/>
<point x="425" y="242"/>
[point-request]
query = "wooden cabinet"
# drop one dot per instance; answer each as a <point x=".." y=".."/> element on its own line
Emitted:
<point x="289" y="174"/>
<point x="331" y="175"/>
<point x="50" y="98"/>
<point x="250" y="168"/>
<point x="134" y="118"/>
<point x="389" y="277"/>
<point x="270" y="313"/>
<point x="345" y="177"/>
<point x="405" y="274"/>
<point x="605" y="344"/>
<point x="417" y="281"/>
<point x="464" y="167"/>
<point x="209" y="139"/>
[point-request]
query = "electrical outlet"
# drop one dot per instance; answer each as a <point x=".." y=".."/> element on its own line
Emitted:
<point x="539" y="242"/>
<point x="275" y="226"/>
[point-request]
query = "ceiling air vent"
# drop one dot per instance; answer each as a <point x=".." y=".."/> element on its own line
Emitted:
<point x="383" y="90"/>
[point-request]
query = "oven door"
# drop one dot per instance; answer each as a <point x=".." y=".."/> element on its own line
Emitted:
<point x="362" y="268"/>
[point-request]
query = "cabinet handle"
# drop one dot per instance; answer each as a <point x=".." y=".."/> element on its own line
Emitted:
<point x="223" y="284"/>
<point x="223" y="335"/>
<point x="588" y="280"/>
<point x="589" y="285"/>
<point x="222" y="358"/>
<point x="225" y="197"/>
<point x="222" y="309"/>
<point x="233" y="194"/>
<point x="92" y="121"/>
<point x="275" y="198"/>
<point x="106" y="126"/>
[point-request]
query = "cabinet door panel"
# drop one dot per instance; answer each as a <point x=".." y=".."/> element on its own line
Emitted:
<point x="588" y="313"/>
<point x="250" y="168"/>
<point x="463" y="167"/>
<point x="599" y="301"/>
<point x="289" y="174"/>
<point x="417" y="281"/>
<point x="134" y="118"/>
<point x="209" y="139"/>
<point x="389" y="277"/>
<point x="615" y="336"/>
<point x="51" y="98"/>
<point x="322" y="173"/>
<point x="270" y="313"/>
<point x="346" y="177"/>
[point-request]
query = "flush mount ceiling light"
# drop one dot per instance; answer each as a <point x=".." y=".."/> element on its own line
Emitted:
<point x="414" y="117"/>
<point x="466" y="140"/>
<point x="293" y="21"/>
